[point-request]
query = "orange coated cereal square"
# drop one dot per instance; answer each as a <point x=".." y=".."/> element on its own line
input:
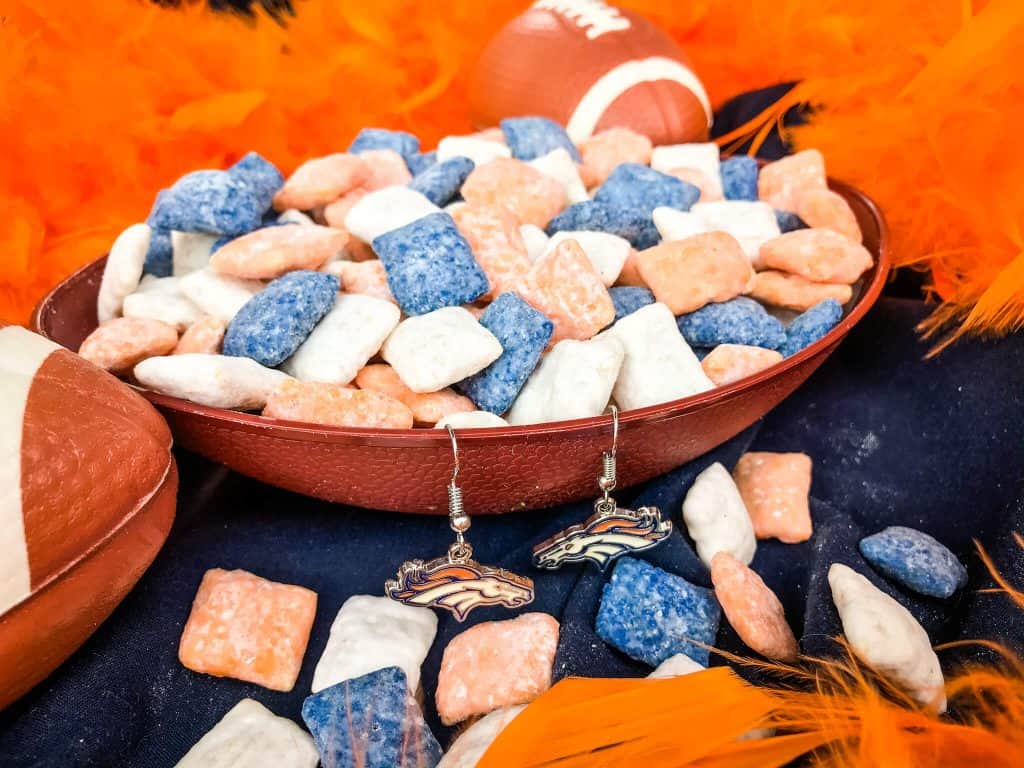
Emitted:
<point x="776" y="489"/>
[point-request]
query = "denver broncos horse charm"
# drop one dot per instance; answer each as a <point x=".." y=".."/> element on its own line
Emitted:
<point x="603" y="537"/>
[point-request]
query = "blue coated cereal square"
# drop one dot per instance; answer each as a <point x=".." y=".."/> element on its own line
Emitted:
<point x="273" y="323"/>
<point x="651" y="614"/>
<point x="916" y="560"/>
<point x="442" y="181"/>
<point x="788" y="222"/>
<point x="417" y="164"/>
<point x="627" y="299"/>
<point x="635" y="226"/>
<point x="737" y="321"/>
<point x="208" y="201"/>
<point x="160" y="254"/>
<point x="430" y="265"/>
<point x="524" y="333"/>
<point x="632" y="185"/>
<point x="371" y="721"/>
<point x="533" y="137"/>
<point x="811" y="326"/>
<point x="739" y="178"/>
<point x="401" y="142"/>
<point x="262" y="176"/>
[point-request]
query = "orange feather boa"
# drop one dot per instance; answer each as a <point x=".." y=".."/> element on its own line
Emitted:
<point x="104" y="103"/>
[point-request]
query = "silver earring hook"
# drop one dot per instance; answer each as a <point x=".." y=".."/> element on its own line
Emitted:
<point x="458" y="520"/>
<point x="606" y="482"/>
<point x="455" y="452"/>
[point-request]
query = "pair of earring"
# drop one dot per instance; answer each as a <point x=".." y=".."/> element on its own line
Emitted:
<point x="458" y="583"/>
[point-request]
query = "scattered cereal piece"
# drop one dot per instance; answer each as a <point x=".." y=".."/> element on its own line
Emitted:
<point x="334" y="213"/>
<point x="170" y="308"/>
<point x="470" y="745"/>
<point x="533" y="197"/>
<point x="604" y="151"/>
<point x="677" y="225"/>
<point x="253" y="736"/>
<point x="191" y="251"/>
<point x="218" y="295"/>
<point x="442" y="181"/>
<point x="779" y="182"/>
<point x="387" y="169"/>
<point x="658" y="366"/>
<point x="710" y="190"/>
<point x="523" y="333"/>
<point x="426" y="408"/>
<point x="775" y="488"/>
<point x="471" y="420"/>
<point x="638" y="187"/>
<point x="496" y="664"/>
<point x="635" y="226"/>
<point x="789" y="222"/>
<point x="322" y="180"/>
<point x="628" y="299"/>
<point x="118" y="344"/>
<point x="532" y="137"/>
<point x="607" y="252"/>
<point x="385" y="210"/>
<point x="687" y="274"/>
<point x="811" y="326"/>
<point x="479" y="151"/>
<point x="274" y="322"/>
<point x="915" y="560"/>
<point x="728" y="363"/>
<point x="752" y="224"/>
<point x="437" y="349"/>
<point x="368" y="278"/>
<point x="213" y="380"/>
<point x="401" y="142"/>
<point x="781" y="289"/>
<point x="828" y="210"/>
<point x="336" y="405"/>
<point x="700" y="156"/>
<point x="535" y="239"/>
<point x="560" y="166"/>
<point x="820" y="255"/>
<point x="248" y="628"/>
<point x="883" y="634"/>
<point x="371" y="721"/>
<point x="203" y="337"/>
<point x="208" y="201"/>
<point x="420" y="162"/>
<point x="737" y="321"/>
<point x="123" y="270"/>
<point x="651" y="615"/>
<point x="493" y="234"/>
<point x="752" y="609"/>
<point x="716" y="517"/>
<point x="273" y="251"/>
<point x="262" y="177"/>
<point x="739" y="178"/>
<point x="676" y="666"/>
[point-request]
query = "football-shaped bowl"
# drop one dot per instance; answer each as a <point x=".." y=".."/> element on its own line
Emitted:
<point x="502" y="468"/>
<point x="88" y="495"/>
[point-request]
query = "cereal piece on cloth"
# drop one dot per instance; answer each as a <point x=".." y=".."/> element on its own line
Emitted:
<point x="294" y="216"/>
<point x="119" y="344"/>
<point x="203" y="337"/>
<point x="916" y="560"/>
<point x="716" y="517"/>
<point x="435" y="350"/>
<point x="271" y="252"/>
<point x="336" y="405"/>
<point x="776" y="488"/>
<point x="884" y="635"/>
<point x="627" y="299"/>
<point x="172" y="308"/>
<point x="532" y="137"/>
<point x="275" y="322"/>
<point x="334" y="213"/>
<point x="524" y="333"/>
<point x="480" y="151"/>
<point x="493" y="234"/>
<point x="658" y="366"/>
<point x="470" y="745"/>
<point x="426" y="408"/>
<point x="160" y="254"/>
<point x="496" y="664"/>
<point x="560" y="166"/>
<point x="752" y="609"/>
<point x="217" y="381"/>
<point x="418" y="163"/>
<point x="635" y="226"/>
<point x="386" y="209"/>
<point x="651" y="615"/>
<point x="253" y="736"/>
<point x="676" y="666"/>
<point x="387" y="169"/>
<point x="826" y="209"/>
<point x="441" y="182"/>
<point x="532" y="197"/>
<point x="371" y="633"/>
<point x="781" y="289"/>
<point x="208" y="201"/>
<point x="472" y="420"/>
<point x="751" y="223"/>
<point x="402" y="142"/>
<point x="603" y="152"/>
<point x="789" y="222"/>
<point x="344" y="340"/>
<point x="535" y="239"/>
<point x="728" y="363"/>
<point x="638" y="187"/>
<point x="820" y="255"/>
<point x="780" y="182"/>
<point x="367" y="278"/>
<point x="737" y="321"/>
<point x="261" y="175"/>
<point x="123" y="270"/>
<point x="739" y="178"/>
<point x="218" y="295"/>
<point x="673" y="224"/>
<point x="607" y="252"/>
<point x="565" y="286"/>
<point x="687" y="274"/>
<point x="430" y="265"/>
<point x="710" y="191"/>
<point x="191" y="251"/>
<point x="573" y="381"/>
<point x="372" y="721"/>
<point x="248" y="628"/>
<point x="811" y="326"/>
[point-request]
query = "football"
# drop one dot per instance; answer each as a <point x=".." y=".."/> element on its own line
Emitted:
<point x="590" y="66"/>
<point x="87" y="496"/>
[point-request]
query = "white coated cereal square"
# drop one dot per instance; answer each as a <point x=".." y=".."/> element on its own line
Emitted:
<point x="371" y="633"/>
<point x="386" y="209"/>
<point x="607" y="252"/>
<point x="344" y="340"/>
<point x="165" y="306"/>
<point x="676" y="666"/>
<point x="673" y="224"/>
<point x="659" y="365"/>
<point x="471" y="420"/>
<point x="716" y="517"/>
<point x="218" y="295"/>
<point x="702" y="157"/>
<point x="470" y="746"/>
<point x="123" y="271"/>
<point x="435" y="350"/>
<point x="218" y="381"/>
<point x="751" y="222"/>
<point x="535" y="239"/>
<point x="251" y="735"/>
<point x="573" y="381"/>
<point x="294" y="216"/>
<point x="191" y="251"/>
<point x="559" y="165"/>
<point x="480" y="151"/>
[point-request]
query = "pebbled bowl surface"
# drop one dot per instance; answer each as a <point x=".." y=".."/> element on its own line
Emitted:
<point x="502" y="469"/>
